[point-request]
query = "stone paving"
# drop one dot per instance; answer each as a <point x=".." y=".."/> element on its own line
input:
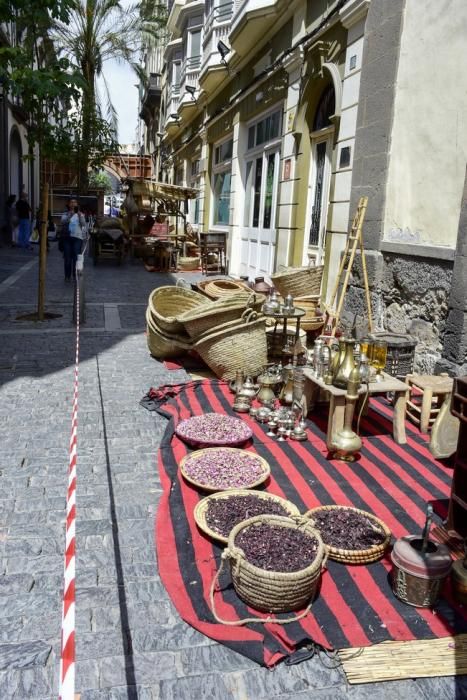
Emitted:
<point x="131" y="642"/>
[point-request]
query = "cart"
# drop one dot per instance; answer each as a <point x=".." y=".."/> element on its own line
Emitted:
<point x="108" y="244"/>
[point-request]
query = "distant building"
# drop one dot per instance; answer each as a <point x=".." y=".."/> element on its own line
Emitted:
<point x="283" y="114"/>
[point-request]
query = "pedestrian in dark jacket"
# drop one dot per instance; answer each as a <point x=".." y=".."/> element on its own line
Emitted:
<point x="24" y="215"/>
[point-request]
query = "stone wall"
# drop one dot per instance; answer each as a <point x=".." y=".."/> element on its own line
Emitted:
<point x="409" y="295"/>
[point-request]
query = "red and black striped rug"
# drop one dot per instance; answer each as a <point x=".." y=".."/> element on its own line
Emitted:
<point x="355" y="606"/>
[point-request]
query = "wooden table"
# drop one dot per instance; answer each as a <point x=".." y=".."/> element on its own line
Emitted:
<point x="337" y="402"/>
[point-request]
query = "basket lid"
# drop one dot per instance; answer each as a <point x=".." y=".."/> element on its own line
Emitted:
<point x="434" y="563"/>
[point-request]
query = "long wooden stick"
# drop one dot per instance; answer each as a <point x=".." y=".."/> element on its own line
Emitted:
<point x="356" y="239"/>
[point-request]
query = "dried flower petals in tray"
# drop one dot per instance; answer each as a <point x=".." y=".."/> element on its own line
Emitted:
<point x="218" y="513"/>
<point x="351" y="535"/>
<point x="213" y="429"/>
<point x="222" y="468"/>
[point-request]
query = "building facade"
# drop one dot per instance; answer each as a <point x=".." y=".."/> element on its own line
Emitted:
<point x="19" y="169"/>
<point x="283" y="114"/>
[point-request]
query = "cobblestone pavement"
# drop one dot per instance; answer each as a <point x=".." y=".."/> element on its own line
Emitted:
<point x="130" y="641"/>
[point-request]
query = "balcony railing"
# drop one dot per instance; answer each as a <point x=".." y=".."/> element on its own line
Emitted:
<point x="220" y="13"/>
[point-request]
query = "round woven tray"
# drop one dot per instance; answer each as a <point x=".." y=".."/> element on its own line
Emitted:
<point x="201" y="443"/>
<point x="218" y="288"/>
<point x="356" y="556"/>
<point x="274" y="591"/>
<point x="201" y="508"/>
<point x="213" y="489"/>
<point x="168" y="302"/>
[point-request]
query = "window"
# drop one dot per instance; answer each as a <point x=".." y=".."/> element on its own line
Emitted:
<point x="195" y="182"/>
<point x="222" y="198"/>
<point x="176" y="68"/>
<point x="222" y="174"/>
<point x="264" y="130"/>
<point x="261" y="175"/>
<point x="195" y="44"/>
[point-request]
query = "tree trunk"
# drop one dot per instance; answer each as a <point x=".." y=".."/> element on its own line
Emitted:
<point x="42" y="250"/>
<point x="89" y="108"/>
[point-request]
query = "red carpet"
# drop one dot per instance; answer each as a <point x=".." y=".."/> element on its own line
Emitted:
<point x="355" y="606"/>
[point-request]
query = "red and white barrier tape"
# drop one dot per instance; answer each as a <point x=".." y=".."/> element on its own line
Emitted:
<point x="67" y="659"/>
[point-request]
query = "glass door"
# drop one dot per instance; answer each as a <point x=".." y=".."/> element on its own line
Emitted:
<point x="318" y="199"/>
<point x="260" y="206"/>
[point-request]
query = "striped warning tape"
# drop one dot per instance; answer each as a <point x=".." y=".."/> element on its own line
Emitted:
<point x="67" y="659"/>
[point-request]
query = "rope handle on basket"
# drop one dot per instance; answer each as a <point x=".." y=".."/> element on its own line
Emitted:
<point x="251" y="300"/>
<point x="249" y="315"/>
<point x="262" y="621"/>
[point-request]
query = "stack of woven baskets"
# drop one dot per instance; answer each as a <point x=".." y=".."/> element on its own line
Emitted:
<point x="228" y="334"/>
<point x="166" y="336"/>
<point x="304" y="284"/>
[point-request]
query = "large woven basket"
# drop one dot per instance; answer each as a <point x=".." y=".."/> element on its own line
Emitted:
<point x="241" y="346"/>
<point x="273" y="591"/>
<point x="211" y="316"/>
<point x="201" y="508"/>
<point x="356" y="556"/>
<point x="215" y="289"/>
<point x="298" y="281"/>
<point x="188" y="263"/>
<point x="162" y="345"/>
<point x="167" y="303"/>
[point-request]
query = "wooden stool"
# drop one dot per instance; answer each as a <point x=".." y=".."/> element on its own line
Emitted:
<point x="433" y="392"/>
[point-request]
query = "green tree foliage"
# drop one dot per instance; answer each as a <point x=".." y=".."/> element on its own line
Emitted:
<point x="95" y="32"/>
<point x="42" y="84"/>
<point x="100" y="180"/>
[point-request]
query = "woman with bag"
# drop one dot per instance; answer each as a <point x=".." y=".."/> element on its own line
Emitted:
<point x="72" y="231"/>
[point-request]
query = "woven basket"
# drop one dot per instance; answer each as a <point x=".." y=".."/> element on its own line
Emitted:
<point x="161" y="345"/>
<point x="213" y="489"/>
<point x="201" y="508"/>
<point x="167" y="303"/>
<point x="213" y="315"/>
<point x="298" y="281"/>
<point x="356" y="556"/>
<point x="188" y="263"/>
<point x="312" y="324"/>
<point x="215" y="289"/>
<point x="241" y="346"/>
<point x="309" y="303"/>
<point x="274" y="591"/>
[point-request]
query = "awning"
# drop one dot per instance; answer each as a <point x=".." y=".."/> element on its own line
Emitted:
<point x="161" y="190"/>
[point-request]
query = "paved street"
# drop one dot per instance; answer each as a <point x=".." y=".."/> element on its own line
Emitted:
<point x="130" y="641"/>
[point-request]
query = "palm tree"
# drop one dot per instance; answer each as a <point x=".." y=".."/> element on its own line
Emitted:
<point x="99" y="31"/>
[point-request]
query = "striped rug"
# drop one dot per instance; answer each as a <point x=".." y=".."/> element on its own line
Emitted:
<point x="355" y="606"/>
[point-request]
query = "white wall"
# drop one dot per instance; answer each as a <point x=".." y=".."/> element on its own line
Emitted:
<point x="429" y="138"/>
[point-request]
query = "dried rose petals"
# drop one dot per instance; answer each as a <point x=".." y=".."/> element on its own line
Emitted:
<point x="224" y="469"/>
<point x="347" y="529"/>
<point x="222" y="514"/>
<point x="214" y="428"/>
<point x="277" y="548"/>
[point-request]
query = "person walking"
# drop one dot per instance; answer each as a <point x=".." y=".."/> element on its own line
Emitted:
<point x="11" y="220"/>
<point x="72" y="230"/>
<point x="24" y="216"/>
